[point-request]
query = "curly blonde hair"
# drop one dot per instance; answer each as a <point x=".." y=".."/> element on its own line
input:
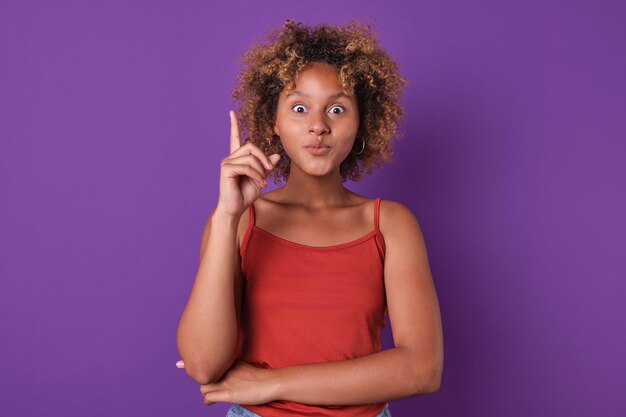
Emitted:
<point x="365" y="70"/>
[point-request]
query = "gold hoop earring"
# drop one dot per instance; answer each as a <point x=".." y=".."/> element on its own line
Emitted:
<point x="362" y="148"/>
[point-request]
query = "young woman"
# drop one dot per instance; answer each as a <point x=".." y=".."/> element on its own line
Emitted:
<point x="293" y="285"/>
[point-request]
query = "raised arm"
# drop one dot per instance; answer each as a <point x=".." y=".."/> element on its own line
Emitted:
<point x="208" y="327"/>
<point x="207" y="330"/>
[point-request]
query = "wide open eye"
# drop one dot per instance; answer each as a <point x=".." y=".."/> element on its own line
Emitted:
<point x="299" y="108"/>
<point x="337" y="109"/>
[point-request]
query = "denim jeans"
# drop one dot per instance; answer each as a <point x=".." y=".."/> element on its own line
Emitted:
<point x="238" y="411"/>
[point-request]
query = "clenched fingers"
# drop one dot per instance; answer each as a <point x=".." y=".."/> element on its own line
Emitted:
<point x="246" y="170"/>
<point x="251" y="149"/>
<point x="247" y="160"/>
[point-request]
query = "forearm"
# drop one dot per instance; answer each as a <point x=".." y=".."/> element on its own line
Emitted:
<point x="387" y="375"/>
<point x="207" y="331"/>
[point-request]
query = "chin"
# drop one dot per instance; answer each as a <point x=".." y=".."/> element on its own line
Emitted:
<point x="320" y="172"/>
<point x="315" y="171"/>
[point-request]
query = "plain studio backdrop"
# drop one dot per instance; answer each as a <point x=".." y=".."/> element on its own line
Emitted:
<point x="113" y="121"/>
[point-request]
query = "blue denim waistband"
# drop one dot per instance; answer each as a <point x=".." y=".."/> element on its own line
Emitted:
<point x="238" y="411"/>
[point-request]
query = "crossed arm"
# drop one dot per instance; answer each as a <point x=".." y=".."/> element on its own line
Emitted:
<point x="414" y="366"/>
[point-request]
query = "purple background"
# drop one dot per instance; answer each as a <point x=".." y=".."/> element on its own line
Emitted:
<point x="113" y="120"/>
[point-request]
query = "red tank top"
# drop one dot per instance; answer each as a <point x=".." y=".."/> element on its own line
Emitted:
<point x="309" y="304"/>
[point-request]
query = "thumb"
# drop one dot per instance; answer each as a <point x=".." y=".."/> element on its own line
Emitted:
<point x="274" y="158"/>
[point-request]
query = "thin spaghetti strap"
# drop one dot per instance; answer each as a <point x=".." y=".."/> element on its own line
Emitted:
<point x="246" y="236"/>
<point x="380" y="240"/>
<point x="376" y="215"/>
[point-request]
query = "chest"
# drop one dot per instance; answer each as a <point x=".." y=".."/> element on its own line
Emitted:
<point x="325" y="229"/>
<point x="345" y="280"/>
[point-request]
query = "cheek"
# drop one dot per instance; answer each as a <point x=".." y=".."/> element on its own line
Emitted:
<point x="285" y="125"/>
<point x="351" y="125"/>
<point x="351" y="130"/>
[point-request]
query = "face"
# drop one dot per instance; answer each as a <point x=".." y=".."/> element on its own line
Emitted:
<point x="316" y="121"/>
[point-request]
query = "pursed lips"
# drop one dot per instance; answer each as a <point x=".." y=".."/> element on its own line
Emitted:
<point x="317" y="150"/>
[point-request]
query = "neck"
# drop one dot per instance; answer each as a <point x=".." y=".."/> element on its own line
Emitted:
<point x="313" y="191"/>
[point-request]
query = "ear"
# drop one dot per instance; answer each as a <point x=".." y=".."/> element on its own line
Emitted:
<point x="359" y="132"/>
<point x="276" y="128"/>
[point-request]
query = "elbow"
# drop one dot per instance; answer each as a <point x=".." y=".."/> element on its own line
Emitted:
<point x="428" y="374"/>
<point x="206" y="372"/>
<point x="201" y="379"/>
<point x="199" y="369"/>
<point x="433" y="386"/>
<point x="428" y="382"/>
<point x="201" y="376"/>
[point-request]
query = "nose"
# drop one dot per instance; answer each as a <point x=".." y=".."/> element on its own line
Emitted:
<point x="318" y="124"/>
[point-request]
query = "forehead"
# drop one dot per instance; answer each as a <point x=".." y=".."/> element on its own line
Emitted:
<point x="316" y="78"/>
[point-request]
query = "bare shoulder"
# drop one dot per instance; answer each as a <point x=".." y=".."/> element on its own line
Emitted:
<point x="267" y="203"/>
<point x="401" y="231"/>
<point x="397" y="219"/>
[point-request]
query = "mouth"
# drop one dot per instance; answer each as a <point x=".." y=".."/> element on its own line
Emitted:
<point x="317" y="150"/>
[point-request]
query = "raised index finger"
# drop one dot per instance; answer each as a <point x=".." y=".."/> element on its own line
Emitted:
<point x="235" y="140"/>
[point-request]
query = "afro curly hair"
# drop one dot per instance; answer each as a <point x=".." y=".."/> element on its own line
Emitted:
<point x="365" y="70"/>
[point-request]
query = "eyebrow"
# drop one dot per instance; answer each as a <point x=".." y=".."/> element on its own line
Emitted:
<point x="332" y="97"/>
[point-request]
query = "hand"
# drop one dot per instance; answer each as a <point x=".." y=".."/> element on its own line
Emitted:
<point x="241" y="384"/>
<point x="243" y="173"/>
